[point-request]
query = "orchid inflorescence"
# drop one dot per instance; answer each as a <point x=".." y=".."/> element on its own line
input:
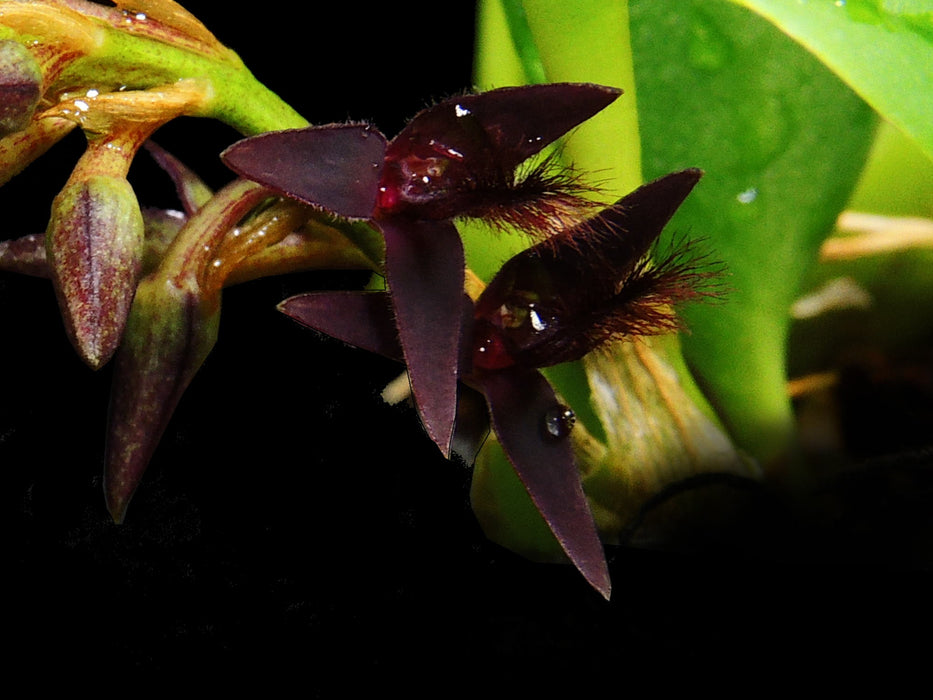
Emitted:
<point x="340" y="196"/>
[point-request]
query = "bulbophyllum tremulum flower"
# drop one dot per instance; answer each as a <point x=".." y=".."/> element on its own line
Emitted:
<point x="586" y="286"/>
<point x="460" y="158"/>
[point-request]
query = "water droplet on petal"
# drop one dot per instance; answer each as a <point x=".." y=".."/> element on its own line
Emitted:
<point x="538" y="323"/>
<point x="558" y="422"/>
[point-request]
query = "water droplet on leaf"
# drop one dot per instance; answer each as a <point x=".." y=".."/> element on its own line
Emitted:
<point x="747" y="196"/>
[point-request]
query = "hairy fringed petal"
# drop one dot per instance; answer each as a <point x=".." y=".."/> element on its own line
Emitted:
<point x="541" y="200"/>
<point x="591" y="283"/>
<point x="460" y="157"/>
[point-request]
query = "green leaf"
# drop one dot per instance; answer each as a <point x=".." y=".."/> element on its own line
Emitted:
<point x="897" y="179"/>
<point x="782" y="141"/>
<point x="883" y="49"/>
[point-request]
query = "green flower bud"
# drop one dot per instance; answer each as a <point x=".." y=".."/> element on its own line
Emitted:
<point x="20" y="86"/>
<point x="171" y="330"/>
<point x="94" y="245"/>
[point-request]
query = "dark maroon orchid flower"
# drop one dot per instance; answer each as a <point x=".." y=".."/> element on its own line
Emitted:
<point x="552" y="303"/>
<point x="459" y="158"/>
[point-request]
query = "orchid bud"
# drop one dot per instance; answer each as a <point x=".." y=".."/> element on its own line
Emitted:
<point x="95" y="239"/>
<point x="170" y="331"/>
<point x="94" y="244"/>
<point x="20" y="86"/>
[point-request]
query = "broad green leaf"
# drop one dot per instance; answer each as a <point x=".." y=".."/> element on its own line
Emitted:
<point x="897" y="179"/>
<point x="882" y="48"/>
<point x="782" y="141"/>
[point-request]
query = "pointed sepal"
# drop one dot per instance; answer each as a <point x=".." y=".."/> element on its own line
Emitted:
<point x="526" y="416"/>
<point x="335" y="167"/>
<point x="504" y="127"/>
<point x="425" y="270"/>
<point x="362" y="319"/>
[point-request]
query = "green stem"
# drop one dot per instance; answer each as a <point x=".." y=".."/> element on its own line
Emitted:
<point x="524" y="42"/>
<point x="237" y="98"/>
<point x="588" y="41"/>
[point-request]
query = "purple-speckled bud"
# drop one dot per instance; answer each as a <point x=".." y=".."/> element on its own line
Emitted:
<point x="20" y="86"/>
<point x="94" y="245"/>
<point x="171" y="329"/>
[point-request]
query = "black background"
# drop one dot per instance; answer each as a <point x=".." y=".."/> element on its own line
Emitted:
<point x="291" y="521"/>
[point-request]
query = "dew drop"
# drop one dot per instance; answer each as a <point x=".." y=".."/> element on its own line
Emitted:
<point x="558" y="422"/>
<point x="747" y="196"/>
<point x="538" y="323"/>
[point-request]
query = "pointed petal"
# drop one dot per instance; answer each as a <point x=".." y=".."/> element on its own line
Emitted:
<point x="508" y="125"/>
<point x="638" y="218"/>
<point x="20" y="86"/>
<point x="192" y="190"/>
<point x="610" y="243"/>
<point x="425" y="270"/>
<point x="519" y="402"/>
<point x="362" y="319"/>
<point x="335" y="167"/>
